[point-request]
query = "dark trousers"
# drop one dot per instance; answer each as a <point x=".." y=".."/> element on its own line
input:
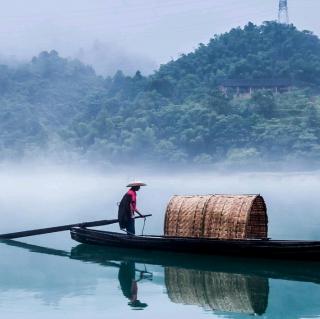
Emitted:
<point x="130" y="226"/>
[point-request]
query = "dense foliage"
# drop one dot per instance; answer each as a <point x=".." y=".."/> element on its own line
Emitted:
<point x="60" y="107"/>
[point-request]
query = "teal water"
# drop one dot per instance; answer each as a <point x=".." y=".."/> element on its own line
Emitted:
<point x="52" y="276"/>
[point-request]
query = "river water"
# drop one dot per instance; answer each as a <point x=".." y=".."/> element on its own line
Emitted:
<point x="52" y="276"/>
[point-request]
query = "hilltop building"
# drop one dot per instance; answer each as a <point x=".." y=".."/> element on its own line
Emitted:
<point x="239" y="86"/>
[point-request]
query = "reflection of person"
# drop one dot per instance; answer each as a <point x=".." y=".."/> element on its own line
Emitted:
<point x="128" y="284"/>
<point x="128" y="207"/>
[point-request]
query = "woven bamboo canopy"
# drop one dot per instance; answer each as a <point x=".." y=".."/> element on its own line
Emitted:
<point x="217" y="216"/>
<point x="217" y="290"/>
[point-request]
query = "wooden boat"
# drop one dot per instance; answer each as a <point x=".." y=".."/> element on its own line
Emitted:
<point x="276" y="249"/>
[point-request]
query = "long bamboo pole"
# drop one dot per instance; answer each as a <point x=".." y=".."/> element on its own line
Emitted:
<point x="56" y="229"/>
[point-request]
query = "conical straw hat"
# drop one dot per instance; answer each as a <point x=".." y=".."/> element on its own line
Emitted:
<point x="136" y="183"/>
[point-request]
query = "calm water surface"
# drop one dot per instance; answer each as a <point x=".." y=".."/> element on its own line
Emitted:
<point x="51" y="275"/>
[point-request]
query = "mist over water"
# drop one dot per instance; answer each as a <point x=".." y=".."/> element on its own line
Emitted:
<point x="52" y="195"/>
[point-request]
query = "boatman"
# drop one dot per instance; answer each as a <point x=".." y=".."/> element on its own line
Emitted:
<point x="128" y="207"/>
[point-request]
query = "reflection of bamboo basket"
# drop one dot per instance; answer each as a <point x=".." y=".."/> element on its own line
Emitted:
<point x="217" y="291"/>
<point x="217" y="216"/>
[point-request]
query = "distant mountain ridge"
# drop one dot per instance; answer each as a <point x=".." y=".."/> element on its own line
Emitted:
<point x="57" y="107"/>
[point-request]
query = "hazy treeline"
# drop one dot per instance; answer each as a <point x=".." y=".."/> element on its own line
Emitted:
<point x="59" y="107"/>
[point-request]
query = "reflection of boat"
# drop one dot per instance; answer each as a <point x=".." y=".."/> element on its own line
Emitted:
<point x="277" y="249"/>
<point x="275" y="269"/>
<point x="189" y="279"/>
<point x="214" y="290"/>
<point x="280" y="269"/>
<point x="217" y="291"/>
<point x="210" y="289"/>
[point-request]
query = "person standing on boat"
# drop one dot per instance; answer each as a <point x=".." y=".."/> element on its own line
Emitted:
<point x="128" y="207"/>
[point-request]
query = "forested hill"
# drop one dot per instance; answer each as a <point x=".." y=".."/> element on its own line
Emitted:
<point x="55" y="107"/>
<point x="270" y="51"/>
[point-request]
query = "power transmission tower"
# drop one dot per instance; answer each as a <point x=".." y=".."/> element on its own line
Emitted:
<point x="283" y="15"/>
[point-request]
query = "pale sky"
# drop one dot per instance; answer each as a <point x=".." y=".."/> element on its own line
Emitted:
<point x="150" y="31"/>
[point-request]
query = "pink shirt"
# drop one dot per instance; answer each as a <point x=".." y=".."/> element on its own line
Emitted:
<point x="133" y="195"/>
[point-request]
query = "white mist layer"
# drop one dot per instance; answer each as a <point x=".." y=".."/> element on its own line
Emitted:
<point x="50" y="196"/>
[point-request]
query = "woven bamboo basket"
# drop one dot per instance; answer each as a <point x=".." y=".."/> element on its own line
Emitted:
<point x="217" y="216"/>
<point x="217" y="290"/>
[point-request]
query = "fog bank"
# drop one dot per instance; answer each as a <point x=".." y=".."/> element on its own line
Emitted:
<point x="56" y="195"/>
